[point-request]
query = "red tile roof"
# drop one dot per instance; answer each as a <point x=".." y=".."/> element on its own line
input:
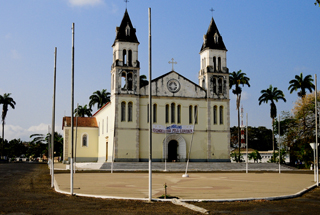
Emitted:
<point x="82" y="122"/>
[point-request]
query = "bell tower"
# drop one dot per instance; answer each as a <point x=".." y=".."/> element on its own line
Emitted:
<point x="125" y="69"/>
<point x="213" y="74"/>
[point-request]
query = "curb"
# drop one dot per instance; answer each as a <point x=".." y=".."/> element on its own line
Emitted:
<point x="300" y="193"/>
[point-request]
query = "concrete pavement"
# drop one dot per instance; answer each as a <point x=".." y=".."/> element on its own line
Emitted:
<point x="205" y="182"/>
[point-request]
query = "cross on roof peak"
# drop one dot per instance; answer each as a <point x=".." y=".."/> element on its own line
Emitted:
<point x="172" y="62"/>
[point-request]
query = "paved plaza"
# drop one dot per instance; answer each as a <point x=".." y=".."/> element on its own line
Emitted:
<point x="206" y="181"/>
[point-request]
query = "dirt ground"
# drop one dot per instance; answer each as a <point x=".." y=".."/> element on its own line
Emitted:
<point x="25" y="189"/>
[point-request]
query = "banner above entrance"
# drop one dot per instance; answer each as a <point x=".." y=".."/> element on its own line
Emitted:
<point x="173" y="129"/>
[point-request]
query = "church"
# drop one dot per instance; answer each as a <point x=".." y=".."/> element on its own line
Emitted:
<point x="184" y="113"/>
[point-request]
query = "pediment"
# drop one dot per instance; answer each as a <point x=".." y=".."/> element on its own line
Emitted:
<point x="174" y="85"/>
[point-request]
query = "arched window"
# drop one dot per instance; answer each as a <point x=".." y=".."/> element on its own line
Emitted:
<point x="123" y="80"/>
<point x="130" y="112"/>
<point x="219" y="63"/>
<point x="214" y="85"/>
<point x="123" y="111"/>
<point x="179" y="114"/>
<point x="196" y="114"/>
<point x="173" y="107"/>
<point x="203" y="63"/>
<point x="215" y="115"/>
<point x="124" y="57"/>
<point x="127" y="30"/>
<point x="204" y="83"/>
<point x="130" y="80"/>
<point x="190" y="114"/>
<point x="216" y="38"/>
<point x="167" y="113"/>
<point x="214" y="64"/>
<point x="129" y="58"/>
<point x="154" y="112"/>
<point x="220" y="85"/>
<point x="85" y="140"/>
<point x="221" y="115"/>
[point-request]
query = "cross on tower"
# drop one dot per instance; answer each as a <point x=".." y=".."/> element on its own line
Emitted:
<point x="212" y="11"/>
<point x="172" y="62"/>
<point x="126" y="1"/>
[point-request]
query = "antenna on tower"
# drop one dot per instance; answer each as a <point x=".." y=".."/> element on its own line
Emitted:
<point x="212" y="11"/>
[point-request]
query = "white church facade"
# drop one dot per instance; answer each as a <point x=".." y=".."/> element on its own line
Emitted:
<point x="182" y="111"/>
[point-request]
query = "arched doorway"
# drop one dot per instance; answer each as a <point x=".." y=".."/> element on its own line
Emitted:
<point x="181" y="148"/>
<point x="172" y="150"/>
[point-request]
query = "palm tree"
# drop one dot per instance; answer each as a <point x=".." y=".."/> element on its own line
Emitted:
<point x="100" y="98"/>
<point x="143" y="81"/>
<point x="83" y="111"/>
<point x="6" y="101"/>
<point x="301" y="83"/>
<point x="273" y="95"/>
<point x="235" y="79"/>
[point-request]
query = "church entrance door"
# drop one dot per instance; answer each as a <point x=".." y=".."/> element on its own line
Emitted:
<point x="172" y="150"/>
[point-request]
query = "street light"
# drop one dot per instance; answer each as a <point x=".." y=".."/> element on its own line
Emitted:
<point x="314" y="159"/>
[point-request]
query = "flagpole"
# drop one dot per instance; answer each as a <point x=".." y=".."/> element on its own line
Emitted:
<point x="185" y="175"/>
<point x="53" y="116"/>
<point x="316" y="122"/>
<point x="75" y="148"/>
<point x="72" y="108"/>
<point x="279" y="143"/>
<point x="247" y="141"/>
<point x="150" y="111"/>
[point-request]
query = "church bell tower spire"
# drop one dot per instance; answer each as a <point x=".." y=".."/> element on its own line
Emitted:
<point x="213" y="74"/>
<point x="125" y="69"/>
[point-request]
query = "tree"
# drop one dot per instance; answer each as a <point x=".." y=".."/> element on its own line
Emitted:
<point x="301" y="83"/>
<point x="236" y="157"/>
<point x="255" y="155"/>
<point x="100" y="98"/>
<point x="83" y="111"/>
<point x="38" y="146"/>
<point x="317" y="2"/>
<point x="6" y="101"/>
<point x="259" y="138"/>
<point x="235" y="79"/>
<point x="143" y="81"/>
<point x="301" y="129"/>
<point x="273" y="95"/>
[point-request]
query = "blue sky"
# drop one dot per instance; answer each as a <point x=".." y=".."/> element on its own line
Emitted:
<point x="271" y="41"/>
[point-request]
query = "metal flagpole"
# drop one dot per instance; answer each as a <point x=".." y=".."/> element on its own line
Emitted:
<point x="185" y="175"/>
<point x="279" y="143"/>
<point x="72" y="107"/>
<point x="49" y="152"/>
<point x="150" y="111"/>
<point x="316" y="120"/>
<point x="75" y="148"/>
<point x="247" y="141"/>
<point x="165" y="149"/>
<point x="53" y="116"/>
